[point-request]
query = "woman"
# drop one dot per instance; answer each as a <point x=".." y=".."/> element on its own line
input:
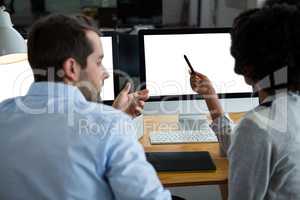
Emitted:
<point x="264" y="148"/>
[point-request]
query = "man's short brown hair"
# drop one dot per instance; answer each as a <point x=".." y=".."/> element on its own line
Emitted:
<point x="54" y="39"/>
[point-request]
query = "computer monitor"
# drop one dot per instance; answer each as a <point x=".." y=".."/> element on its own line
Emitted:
<point x="16" y="78"/>
<point x="110" y="62"/>
<point x="165" y="72"/>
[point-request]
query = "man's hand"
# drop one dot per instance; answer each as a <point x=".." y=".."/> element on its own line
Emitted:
<point x="131" y="103"/>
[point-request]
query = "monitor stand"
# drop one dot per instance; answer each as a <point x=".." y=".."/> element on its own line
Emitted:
<point x="193" y="122"/>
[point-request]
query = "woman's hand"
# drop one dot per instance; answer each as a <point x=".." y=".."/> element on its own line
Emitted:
<point x="203" y="86"/>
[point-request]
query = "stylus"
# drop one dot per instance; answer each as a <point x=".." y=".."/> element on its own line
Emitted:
<point x="189" y="64"/>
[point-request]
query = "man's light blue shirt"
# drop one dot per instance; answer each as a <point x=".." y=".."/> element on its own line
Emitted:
<point x="56" y="145"/>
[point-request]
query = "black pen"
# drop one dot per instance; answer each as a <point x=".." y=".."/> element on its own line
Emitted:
<point x="189" y="64"/>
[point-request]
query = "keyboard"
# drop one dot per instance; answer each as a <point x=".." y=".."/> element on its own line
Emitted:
<point x="182" y="136"/>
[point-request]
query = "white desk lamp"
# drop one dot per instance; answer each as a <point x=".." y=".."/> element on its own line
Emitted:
<point x="12" y="44"/>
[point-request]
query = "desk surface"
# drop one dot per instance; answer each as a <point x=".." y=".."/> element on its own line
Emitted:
<point x="170" y="122"/>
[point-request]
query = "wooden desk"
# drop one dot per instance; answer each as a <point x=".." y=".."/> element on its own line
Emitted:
<point x="171" y="179"/>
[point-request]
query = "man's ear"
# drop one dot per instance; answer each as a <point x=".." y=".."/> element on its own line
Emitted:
<point x="71" y="70"/>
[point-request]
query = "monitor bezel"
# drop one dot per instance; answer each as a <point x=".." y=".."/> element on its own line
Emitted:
<point x="115" y="54"/>
<point x="142" y="33"/>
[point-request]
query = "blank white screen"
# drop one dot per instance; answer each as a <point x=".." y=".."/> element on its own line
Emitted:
<point x="15" y="79"/>
<point x="107" y="92"/>
<point x="167" y="71"/>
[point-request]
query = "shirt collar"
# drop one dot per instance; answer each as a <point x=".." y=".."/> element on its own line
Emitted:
<point x="56" y="90"/>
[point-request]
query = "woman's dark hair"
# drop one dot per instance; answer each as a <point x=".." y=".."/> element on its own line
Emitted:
<point x="268" y="39"/>
<point x="54" y="39"/>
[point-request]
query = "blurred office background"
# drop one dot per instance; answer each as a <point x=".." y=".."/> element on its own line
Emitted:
<point x="127" y="17"/>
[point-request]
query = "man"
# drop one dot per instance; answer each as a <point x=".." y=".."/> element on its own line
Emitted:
<point x="54" y="142"/>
